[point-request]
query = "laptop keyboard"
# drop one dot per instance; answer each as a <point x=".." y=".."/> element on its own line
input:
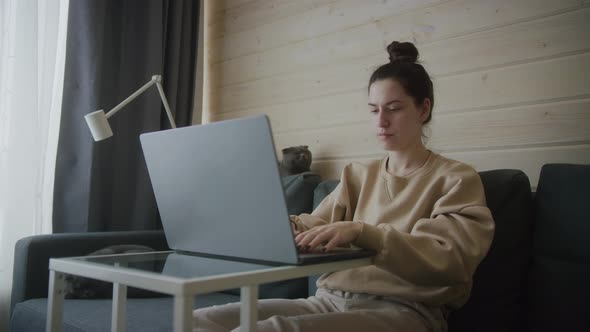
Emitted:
<point x="321" y="250"/>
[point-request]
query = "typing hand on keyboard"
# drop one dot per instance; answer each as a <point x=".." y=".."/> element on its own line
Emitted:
<point x="317" y="250"/>
<point x="328" y="237"/>
<point x="322" y="249"/>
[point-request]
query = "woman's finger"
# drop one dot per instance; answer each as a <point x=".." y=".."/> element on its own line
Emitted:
<point x="321" y="238"/>
<point x="305" y="241"/>
<point x="305" y="238"/>
<point x="333" y="243"/>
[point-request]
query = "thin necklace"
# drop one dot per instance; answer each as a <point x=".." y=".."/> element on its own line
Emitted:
<point x="415" y="169"/>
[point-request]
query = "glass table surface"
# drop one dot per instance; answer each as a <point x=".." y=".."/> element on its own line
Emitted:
<point x="173" y="264"/>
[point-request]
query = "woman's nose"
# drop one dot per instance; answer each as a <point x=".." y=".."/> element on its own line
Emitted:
<point x="382" y="120"/>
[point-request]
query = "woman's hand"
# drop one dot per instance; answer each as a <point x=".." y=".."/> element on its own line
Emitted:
<point x="294" y="226"/>
<point x="331" y="236"/>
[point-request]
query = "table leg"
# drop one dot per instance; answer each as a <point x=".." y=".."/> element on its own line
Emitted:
<point x="55" y="301"/>
<point x="183" y="313"/>
<point x="249" y="308"/>
<point x="119" y="313"/>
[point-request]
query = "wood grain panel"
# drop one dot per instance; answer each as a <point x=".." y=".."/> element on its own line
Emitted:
<point x="321" y="112"/>
<point x="524" y="41"/>
<point x="331" y="49"/>
<point x="542" y="38"/>
<point x="301" y="85"/>
<point x="543" y="80"/>
<point x="428" y="23"/>
<point x="546" y="37"/>
<point x="229" y="4"/>
<point x="529" y="161"/>
<point x="334" y="142"/>
<point x="260" y="12"/>
<point x="555" y="78"/>
<point x="450" y="18"/>
<point x="551" y="124"/>
<point x="336" y="16"/>
<point x="558" y="34"/>
<point x="531" y="124"/>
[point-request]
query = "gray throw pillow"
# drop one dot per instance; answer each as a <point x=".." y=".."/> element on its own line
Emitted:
<point x="323" y="190"/>
<point x="299" y="191"/>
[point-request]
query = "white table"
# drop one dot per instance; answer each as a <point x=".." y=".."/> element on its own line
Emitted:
<point x="179" y="275"/>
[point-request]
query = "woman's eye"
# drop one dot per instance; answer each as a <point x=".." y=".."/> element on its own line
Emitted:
<point x="374" y="111"/>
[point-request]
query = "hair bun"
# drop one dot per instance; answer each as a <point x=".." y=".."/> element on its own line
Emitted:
<point x="405" y="52"/>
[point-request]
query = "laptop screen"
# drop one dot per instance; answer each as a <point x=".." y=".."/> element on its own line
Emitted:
<point x="219" y="191"/>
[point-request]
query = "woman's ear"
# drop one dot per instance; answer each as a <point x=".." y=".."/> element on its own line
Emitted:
<point x="425" y="109"/>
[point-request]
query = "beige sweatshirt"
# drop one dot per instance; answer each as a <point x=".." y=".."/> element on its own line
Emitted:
<point x="430" y="230"/>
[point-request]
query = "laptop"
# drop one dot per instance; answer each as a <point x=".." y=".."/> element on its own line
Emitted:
<point x="219" y="193"/>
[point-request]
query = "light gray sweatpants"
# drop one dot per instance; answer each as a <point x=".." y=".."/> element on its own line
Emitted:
<point x="327" y="311"/>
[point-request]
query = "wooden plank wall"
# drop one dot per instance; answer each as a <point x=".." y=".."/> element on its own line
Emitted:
<point x="511" y="76"/>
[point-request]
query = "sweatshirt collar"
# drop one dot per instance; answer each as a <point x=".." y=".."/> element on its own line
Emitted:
<point x="420" y="171"/>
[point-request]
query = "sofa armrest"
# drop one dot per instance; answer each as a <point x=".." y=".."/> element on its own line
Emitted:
<point x="32" y="254"/>
<point x="557" y="288"/>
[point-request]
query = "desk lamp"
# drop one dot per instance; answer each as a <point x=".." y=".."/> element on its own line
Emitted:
<point x="97" y="121"/>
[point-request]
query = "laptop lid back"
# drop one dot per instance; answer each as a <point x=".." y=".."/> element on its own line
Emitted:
<point x="219" y="191"/>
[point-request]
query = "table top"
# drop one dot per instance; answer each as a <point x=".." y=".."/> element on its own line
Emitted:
<point x="172" y="264"/>
<point x="176" y="273"/>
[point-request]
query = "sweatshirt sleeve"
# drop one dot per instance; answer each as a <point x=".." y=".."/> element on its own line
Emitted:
<point x="442" y="250"/>
<point x="335" y="207"/>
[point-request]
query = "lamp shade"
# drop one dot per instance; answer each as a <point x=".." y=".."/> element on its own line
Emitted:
<point x="99" y="125"/>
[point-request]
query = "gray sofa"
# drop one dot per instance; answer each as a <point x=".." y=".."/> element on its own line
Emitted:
<point x="533" y="279"/>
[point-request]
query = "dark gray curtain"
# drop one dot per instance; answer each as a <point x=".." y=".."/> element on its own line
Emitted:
<point x="113" y="48"/>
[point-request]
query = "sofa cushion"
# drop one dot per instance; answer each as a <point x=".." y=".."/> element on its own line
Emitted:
<point x="299" y="191"/>
<point x="497" y="297"/>
<point x="145" y="315"/>
<point x="558" y="281"/>
<point x="322" y="190"/>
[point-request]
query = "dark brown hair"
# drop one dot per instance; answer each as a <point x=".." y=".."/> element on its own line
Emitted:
<point x="404" y="68"/>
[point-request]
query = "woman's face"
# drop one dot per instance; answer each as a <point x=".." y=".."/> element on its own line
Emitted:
<point x="397" y="119"/>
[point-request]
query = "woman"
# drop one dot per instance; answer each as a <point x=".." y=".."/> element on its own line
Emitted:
<point x="424" y="215"/>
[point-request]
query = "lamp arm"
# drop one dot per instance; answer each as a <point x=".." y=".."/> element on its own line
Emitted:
<point x="156" y="79"/>
<point x="131" y="97"/>
<point x="165" y="102"/>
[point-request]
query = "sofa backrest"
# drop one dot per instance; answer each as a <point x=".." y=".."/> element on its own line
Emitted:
<point x="559" y="288"/>
<point x="299" y="190"/>
<point x="498" y="294"/>
<point x="32" y="254"/>
<point x="496" y="302"/>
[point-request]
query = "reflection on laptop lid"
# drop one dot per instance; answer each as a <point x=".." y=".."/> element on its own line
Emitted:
<point x="219" y="191"/>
